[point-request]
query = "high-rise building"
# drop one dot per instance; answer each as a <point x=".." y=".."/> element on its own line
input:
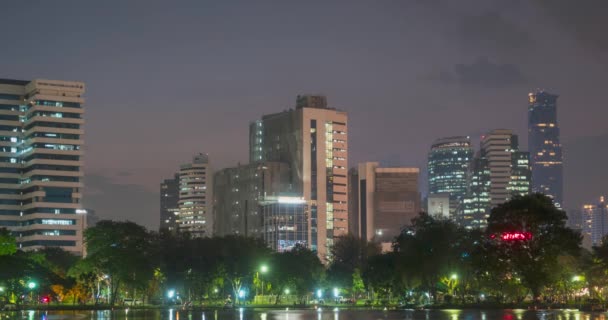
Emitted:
<point x="238" y="191"/>
<point x="595" y="221"/>
<point x="386" y="200"/>
<point x="544" y="146"/>
<point x="312" y="140"/>
<point x="448" y="162"/>
<point x="169" y="203"/>
<point x="498" y="172"/>
<point x="256" y="131"/>
<point x="285" y="222"/>
<point x="196" y="197"/>
<point x="41" y="165"/>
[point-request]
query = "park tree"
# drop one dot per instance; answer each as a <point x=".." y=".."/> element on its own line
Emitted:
<point x="8" y="245"/>
<point x="349" y="253"/>
<point x="299" y="270"/>
<point x="533" y="257"/>
<point x="429" y="250"/>
<point x="122" y="251"/>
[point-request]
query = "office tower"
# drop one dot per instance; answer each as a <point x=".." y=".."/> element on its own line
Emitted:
<point x="448" y="162"/>
<point x="41" y="163"/>
<point x="237" y="192"/>
<point x="195" y="198"/>
<point x="544" y="146"/>
<point x="438" y="205"/>
<point x="498" y="172"/>
<point x="312" y="140"/>
<point x="169" y="203"/>
<point x="595" y="221"/>
<point x="386" y="200"/>
<point x="285" y="222"/>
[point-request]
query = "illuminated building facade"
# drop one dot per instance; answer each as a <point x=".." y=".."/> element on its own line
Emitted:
<point x="285" y="222"/>
<point x="544" y="146"/>
<point x="312" y="140"/>
<point x="498" y="172"/>
<point x="41" y="165"/>
<point x="595" y="221"/>
<point x="169" y="203"/>
<point x="448" y="162"/>
<point x="195" y="198"/>
<point x="237" y="192"/>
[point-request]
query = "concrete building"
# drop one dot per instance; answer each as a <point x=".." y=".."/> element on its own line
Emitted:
<point x="595" y="221"/>
<point x="544" y="146"/>
<point x="196" y="197"/>
<point x="498" y="172"/>
<point x="169" y="203"/>
<point x="238" y="191"/>
<point x="385" y="201"/>
<point x="448" y="162"/>
<point x="312" y="140"/>
<point x="285" y="222"/>
<point x="41" y="165"/>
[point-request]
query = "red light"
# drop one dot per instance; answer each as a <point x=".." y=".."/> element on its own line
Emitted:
<point x="516" y="236"/>
<point x="45" y="299"/>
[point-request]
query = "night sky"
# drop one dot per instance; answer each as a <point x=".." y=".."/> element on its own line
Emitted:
<point x="167" y="79"/>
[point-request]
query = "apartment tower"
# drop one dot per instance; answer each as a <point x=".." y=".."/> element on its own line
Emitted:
<point x="312" y="139"/>
<point x="196" y="198"/>
<point x="41" y="165"/>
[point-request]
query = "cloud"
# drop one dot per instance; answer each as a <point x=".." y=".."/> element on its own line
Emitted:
<point x="585" y="20"/>
<point x="484" y="73"/>
<point x="124" y="173"/>
<point x="112" y="200"/>
<point x="492" y="30"/>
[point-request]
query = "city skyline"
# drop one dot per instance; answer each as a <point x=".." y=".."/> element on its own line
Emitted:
<point x="205" y="79"/>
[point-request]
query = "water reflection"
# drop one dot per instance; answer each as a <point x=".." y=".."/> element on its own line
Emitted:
<point x="318" y="314"/>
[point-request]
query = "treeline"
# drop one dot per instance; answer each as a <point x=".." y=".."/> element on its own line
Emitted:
<point x="527" y="252"/>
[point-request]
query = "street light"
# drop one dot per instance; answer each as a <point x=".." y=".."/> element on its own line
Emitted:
<point x="576" y="278"/>
<point x="170" y="294"/>
<point x="286" y="291"/>
<point x="319" y="293"/>
<point x="336" y="292"/>
<point x="454" y="276"/>
<point x="264" y="268"/>
<point x="31" y="284"/>
<point x="241" y="293"/>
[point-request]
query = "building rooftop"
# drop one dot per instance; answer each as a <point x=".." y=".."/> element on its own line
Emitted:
<point x="14" y="82"/>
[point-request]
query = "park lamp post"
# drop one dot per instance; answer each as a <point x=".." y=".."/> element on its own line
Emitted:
<point x="31" y="285"/>
<point x="263" y="270"/>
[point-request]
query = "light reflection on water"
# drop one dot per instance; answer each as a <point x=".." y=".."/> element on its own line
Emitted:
<point x="318" y="314"/>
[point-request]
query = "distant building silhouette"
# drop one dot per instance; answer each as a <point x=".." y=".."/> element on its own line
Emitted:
<point x="169" y="203"/>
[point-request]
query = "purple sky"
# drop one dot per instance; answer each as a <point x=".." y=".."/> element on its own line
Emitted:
<point x="167" y="79"/>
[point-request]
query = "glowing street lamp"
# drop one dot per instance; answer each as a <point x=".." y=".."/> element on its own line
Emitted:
<point x="264" y="268"/>
<point x="319" y="293"/>
<point x="454" y="276"/>
<point x="286" y="291"/>
<point x="336" y="292"/>
<point x="577" y="278"/>
<point x="241" y="293"/>
<point x="31" y="284"/>
<point x="171" y="294"/>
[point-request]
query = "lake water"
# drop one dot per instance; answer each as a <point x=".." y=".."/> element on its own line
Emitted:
<point x="324" y="314"/>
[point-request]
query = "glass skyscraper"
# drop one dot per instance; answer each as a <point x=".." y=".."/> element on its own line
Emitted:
<point x="448" y="162"/>
<point x="544" y="145"/>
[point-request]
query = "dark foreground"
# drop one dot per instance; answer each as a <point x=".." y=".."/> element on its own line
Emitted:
<point x="323" y="314"/>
